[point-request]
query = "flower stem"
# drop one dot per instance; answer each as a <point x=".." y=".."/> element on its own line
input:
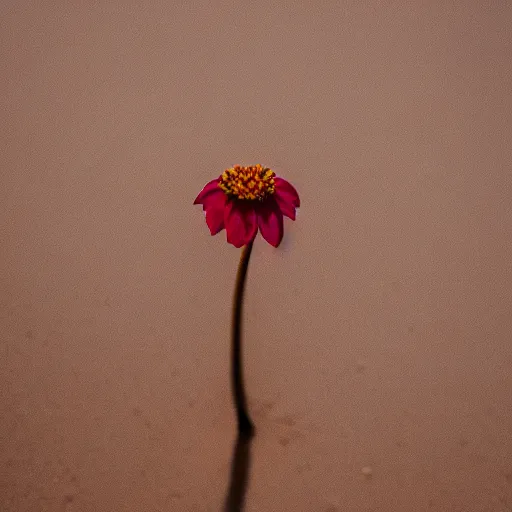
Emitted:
<point x="245" y="425"/>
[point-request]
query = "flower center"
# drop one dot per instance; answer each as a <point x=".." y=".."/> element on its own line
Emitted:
<point x="253" y="182"/>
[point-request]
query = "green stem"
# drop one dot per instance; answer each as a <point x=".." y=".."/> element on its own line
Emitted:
<point x="245" y="425"/>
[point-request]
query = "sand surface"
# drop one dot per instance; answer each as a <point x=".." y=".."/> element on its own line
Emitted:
<point x="378" y="347"/>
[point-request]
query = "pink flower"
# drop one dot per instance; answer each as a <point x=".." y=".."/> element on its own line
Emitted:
<point x="245" y="199"/>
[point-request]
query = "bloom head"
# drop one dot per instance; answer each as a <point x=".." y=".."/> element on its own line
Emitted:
<point x="245" y="199"/>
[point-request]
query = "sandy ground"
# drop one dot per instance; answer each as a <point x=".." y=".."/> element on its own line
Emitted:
<point x="378" y="336"/>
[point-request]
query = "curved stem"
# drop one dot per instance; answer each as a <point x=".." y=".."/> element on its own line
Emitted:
<point x="245" y="425"/>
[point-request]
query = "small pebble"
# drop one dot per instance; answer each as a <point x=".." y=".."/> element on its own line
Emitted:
<point x="367" y="471"/>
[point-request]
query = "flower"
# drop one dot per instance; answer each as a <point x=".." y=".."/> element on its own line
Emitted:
<point x="245" y="199"/>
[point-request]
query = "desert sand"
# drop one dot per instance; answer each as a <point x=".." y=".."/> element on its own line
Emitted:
<point x="377" y="337"/>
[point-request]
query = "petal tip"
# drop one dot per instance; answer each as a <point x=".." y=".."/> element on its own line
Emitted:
<point x="270" y="223"/>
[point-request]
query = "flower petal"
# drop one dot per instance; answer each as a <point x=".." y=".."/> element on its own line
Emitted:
<point x="287" y="192"/>
<point x="214" y="208"/>
<point x="214" y="197"/>
<point x="270" y="221"/>
<point x="240" y="222"/>
<point x="286" y="207"/>
<point x="209" y="188"/>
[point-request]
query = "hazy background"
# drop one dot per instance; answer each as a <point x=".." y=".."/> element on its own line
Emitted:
<point x="378" y="346"/>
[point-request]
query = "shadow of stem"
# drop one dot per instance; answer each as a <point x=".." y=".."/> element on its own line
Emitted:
<point x="240" y="466"/>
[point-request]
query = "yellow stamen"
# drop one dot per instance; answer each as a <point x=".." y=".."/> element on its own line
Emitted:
<point x="250" y="183"/>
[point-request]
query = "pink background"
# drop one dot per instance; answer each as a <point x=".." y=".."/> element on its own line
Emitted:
<point x="377" y="336"/>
